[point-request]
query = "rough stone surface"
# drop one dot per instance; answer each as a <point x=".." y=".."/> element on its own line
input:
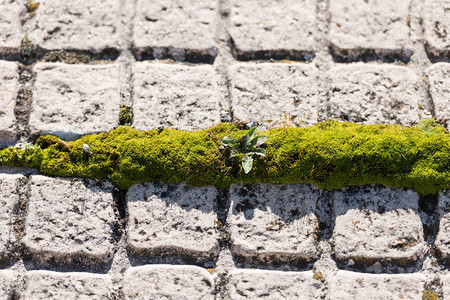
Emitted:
<point x="373" y="94"/>
<point x="351" y="285"/>
<point x="11" y="32"/>
<point x="70" y="101"/>
<point x="376" y="224"/>
<point x="436" y="23"/>
<point x="378" y="26"/>
<point x="443" y="237"/>
<point x="446" y="287"/>
<point x="439" y="82"/>
<point x="172" y="219"/>
<point x="180" y="29"/>
<point x="272" y="223"/>
<point x="54" y="285"/>
<point x="6" y="284"/>
<point x="81" y="25"/>
<point x="78" y="227"/>
<point x="9" y="198"/>
<point x="279" y="29"/>
<point x="8" y="93"/>
<point x="275" y="93"/>
<point x="175" y="96"/>
<point x="168" y="282"/>
<point x="263" y="284"/>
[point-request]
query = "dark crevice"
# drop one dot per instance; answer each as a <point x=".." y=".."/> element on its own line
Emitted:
<point x="429" y="214"/>
<point x="369" y="55"/>
<point x="326" y="217"/>
<point x="206" y="56"/>
<point x="24" y="100"/>
<point x="119" y="197"/>
<point x="442" y="57"/>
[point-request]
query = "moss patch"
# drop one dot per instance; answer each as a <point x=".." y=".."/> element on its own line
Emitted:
<point x="330" y="155"/>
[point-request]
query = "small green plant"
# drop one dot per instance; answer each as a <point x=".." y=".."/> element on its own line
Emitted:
<point x="247" y="147"/>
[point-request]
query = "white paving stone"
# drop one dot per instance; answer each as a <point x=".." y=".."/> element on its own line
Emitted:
<point x="436" y="23"/>
<point x="270" y="92"/>
<point x="89" y="25"/>
<point x="175" y="96"/>
<point x="273" y="28"/>
<point x="263" y="284"/>
<point x="11" y="33"/>
<point x="273" y="223"/>
<point x="375" y="223"/>
<point x="375" y="25"/>
<point x="54" y="285"/>
<point x="439" y="82"/>
<point x="74" y="100"/>
<point x="8" y="93"/>
<point x="9" y="198"/>
<point x="446" y="287"/>
<point x="168" y="282"/>
<point x="172" y="219"/>
<point x="69" y="220"/>
<point x="373" y="94"/>
<point x="7" y="280"/>
<point x="443" y="237"/>
<point x="175" y="28"/>
<point x="351" y="285"/>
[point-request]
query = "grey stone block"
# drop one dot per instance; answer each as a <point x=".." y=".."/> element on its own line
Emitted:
<point x="264" y="284"/>
<point x="168" y="282"/>
<point x="377" y="225"/>
<point x="8" y="93"/>
<point x="376" y="26"/>
<point x="88" y="25"/>
<point x="70" y="101"/>
<point x="9" y="199"/>
<point x="439" y="83"/>
<point x="275" y="93"/>
<point x="436" y="23"/>
<point x="175" y="96"/>
<point x="446" y="287"/>
<point x="273" y="29"/>
<point x="172" y="219"/>
<point x="373" y="94"/>
<point x="273" y="223"/>
<point x="180" y="29"/>
<point x="55" y="285"/>
<point x="7" y="280"/>
<point x="351" y="285"/>
<point x="11" y="33"/>
<point x="69" y="220"/>
<point x="443" y="238"/>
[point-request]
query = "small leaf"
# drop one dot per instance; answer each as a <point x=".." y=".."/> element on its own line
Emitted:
<point x="246" y="140"/>
<point x="259" y="140"/>
<point x="234" y="153"/>
<point x="258" y="151"/>
<point x="228" y="141"/>
<point x="247" y="163"/>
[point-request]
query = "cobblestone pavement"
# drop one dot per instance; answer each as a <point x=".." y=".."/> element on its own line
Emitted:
<point x="67" y="67"/>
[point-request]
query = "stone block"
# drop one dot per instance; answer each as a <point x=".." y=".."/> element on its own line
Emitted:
<point x="179" y="29"/>
<point x="9" y="200"/>
<point x="172" y="220"/>
<point x="11" y="33"/>
<point x="175" y="96"/>
<point x="439" y="83"/>
<point x="446" y="287"/>
<point x="377" y="225"/>
<point x="436" y="23"/>
<point x="74" y="100"/>
<point x="7" y="280"/>
<point x="373" y="94"/>
<point x="443" y="238"/>
<point x="352" y="285"/>
<point x="69" y="221"/>
<point x="9" y="81"/>
<point x="273" y="223"/>
<point x="275" y="93"/>
<point x="56" y="286"/>
<point x="264" y="284"/>
<point x="273" y="29"/>
<point x="168" y="282"/>
<point x="88" y="25"/>
<point x="379" y="27"/>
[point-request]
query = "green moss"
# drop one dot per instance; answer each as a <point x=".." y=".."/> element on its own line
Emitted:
<point x="66" y="57"/>
<point x="429" y="295"/>
<point x="125" y="115"/>
<point x="330" y="155"/>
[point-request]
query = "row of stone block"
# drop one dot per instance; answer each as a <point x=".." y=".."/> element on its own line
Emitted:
<point x="74" y="100"/>
<point x="69" y="221"/>
<point x="191" y="282"/>
<point x="181" y="29"/>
